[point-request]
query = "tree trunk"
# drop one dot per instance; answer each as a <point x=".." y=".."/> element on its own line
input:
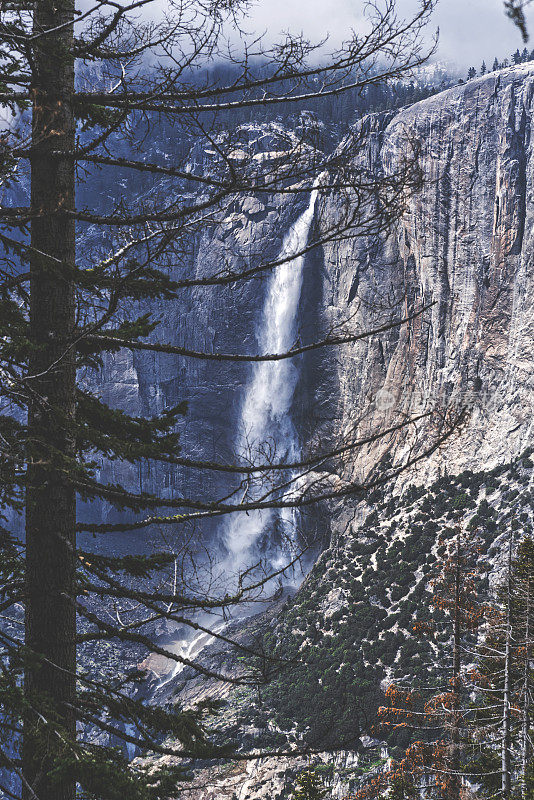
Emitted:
<point x="454" y="782"/>
<point x="525" y="722"/>
<point x="505" y="728"/>
<point x="50" y="502"/>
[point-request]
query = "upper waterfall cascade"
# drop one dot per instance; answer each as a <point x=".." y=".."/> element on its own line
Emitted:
<point x="265" y="422"/>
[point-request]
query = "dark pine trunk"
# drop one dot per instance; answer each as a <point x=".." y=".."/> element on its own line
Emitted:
<point x="506" y="766"/>
<point x="455" y="782"/>
<point x="50" y="508"/>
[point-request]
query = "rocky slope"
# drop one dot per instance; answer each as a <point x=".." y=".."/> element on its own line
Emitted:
<point x="349" y="632"/>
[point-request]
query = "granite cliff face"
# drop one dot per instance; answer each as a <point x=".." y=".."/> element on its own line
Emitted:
<point x="465" y="245"/>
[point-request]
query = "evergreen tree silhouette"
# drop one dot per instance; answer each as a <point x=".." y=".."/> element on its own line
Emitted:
<point x="309" y="786"/>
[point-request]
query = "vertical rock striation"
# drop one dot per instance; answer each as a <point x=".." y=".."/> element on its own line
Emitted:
<point x="464" y="244"/>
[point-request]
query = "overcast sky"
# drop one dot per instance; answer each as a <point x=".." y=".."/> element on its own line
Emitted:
<point x="470" y="30"/>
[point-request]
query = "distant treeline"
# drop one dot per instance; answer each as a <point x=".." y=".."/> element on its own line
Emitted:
<point x="339" y="110"/>
<point x="516" y="58"/>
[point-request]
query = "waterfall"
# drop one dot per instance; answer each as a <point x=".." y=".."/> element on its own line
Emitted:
<point x="189" y="647"/>
<point x="264" y="418"/>
<point x="265" y="422"/>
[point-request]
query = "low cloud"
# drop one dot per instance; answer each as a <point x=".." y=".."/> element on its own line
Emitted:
<point x="470" y="30"/>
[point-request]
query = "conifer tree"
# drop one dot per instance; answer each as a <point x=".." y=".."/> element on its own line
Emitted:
<point x="436" y="716"/>
<point x="524" y="614"/>
<point x="86" y="86"/>
<point x="309" y="786"/>
<point x="503" y="681"/>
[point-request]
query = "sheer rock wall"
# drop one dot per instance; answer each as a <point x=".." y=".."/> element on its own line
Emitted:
<point x="465" y="245"/>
